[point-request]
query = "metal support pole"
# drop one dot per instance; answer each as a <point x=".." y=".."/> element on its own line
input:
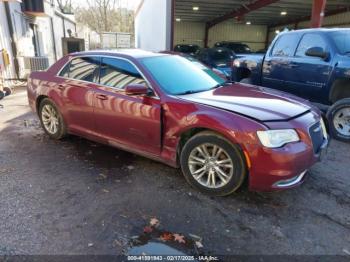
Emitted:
<point x="318" y="11"/>
<point x="206" y="37"/>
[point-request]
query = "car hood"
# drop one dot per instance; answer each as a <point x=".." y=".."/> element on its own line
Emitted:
<point x="256" y="102"/>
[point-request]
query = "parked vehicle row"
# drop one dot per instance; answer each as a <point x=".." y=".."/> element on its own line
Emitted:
<point x="220" y="57"/>
<point x="169" y="108"/>
<point x="313" y="64"/>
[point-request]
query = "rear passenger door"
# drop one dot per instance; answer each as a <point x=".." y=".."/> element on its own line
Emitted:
<point x="310" y="74"/>
<point x="125" y="120"/>
<point x="76" y="90"/>
<point x="277" y="67"/>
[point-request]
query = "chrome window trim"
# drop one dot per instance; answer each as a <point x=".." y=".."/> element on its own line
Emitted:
<point x="106" y="56"/>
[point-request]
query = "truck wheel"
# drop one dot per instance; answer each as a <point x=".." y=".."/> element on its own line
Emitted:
<point x="338" y="117"/>
<point x="52" y="120"/>
<point x="212" y="164"/>
<point x="246" y="81"/>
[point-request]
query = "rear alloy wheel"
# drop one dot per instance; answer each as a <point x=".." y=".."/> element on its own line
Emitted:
<point x="51" y="119"/>
<point x="212" y="164"/>
<point x="338" y="117"/>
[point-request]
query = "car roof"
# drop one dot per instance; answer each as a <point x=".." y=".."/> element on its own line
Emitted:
<point x="219" y="49"/>
<point x="129" y="53"/>
<point x="310" y="30"/>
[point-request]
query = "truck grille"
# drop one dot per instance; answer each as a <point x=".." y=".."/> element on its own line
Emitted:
<point x="317" y="136"/>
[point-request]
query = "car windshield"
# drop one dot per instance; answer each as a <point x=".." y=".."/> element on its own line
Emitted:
<point x="342" y="41"/>
<point x="239" y="48"/>
<point x="178" y="76"/>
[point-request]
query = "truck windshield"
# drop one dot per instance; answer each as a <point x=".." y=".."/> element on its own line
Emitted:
<point x="342" y="41"/>
<point x="178" y="76"/>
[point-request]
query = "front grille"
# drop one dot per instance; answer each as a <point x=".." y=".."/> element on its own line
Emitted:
<point x="317" y="137"/>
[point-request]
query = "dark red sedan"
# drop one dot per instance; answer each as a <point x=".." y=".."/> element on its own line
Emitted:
<point x="166" y="108"/>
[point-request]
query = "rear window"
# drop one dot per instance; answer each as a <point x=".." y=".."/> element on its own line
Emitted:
<point x="240" y="48"/>
<point x="81" y="68"/>
<point x="221" y="55"/>
<point x="285" y="45"/>
<point x="186" y="49"/>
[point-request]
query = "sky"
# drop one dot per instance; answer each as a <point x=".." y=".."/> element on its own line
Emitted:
<point x="130" y="4"/>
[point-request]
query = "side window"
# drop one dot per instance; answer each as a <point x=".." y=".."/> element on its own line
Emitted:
<point x="119" y="73"/>
<point x="285" y="46"/>
<point x="310" y="40"/>
<point x="65" y="71"/>
<point x="84" y="68"/>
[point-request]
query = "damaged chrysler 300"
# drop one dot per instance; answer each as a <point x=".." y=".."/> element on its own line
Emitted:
<point x="166" y="108"/>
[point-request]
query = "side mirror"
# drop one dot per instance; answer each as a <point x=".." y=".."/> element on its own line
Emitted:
<point x="136" y="89"/>
<point x="317" y="52"/>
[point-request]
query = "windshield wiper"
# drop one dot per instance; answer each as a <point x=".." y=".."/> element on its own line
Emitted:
<point x="189" y="92"/>
<point x="222" y="84"/>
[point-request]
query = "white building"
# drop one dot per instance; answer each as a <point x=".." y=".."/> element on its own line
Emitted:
<point x="153" y="30"/>
<point x="34" y="33"/>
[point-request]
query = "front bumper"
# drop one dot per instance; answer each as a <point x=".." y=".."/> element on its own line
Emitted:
<point x="286" y="167"/>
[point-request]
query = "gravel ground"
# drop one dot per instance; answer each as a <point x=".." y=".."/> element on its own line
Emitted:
<point x="76" y="197"/>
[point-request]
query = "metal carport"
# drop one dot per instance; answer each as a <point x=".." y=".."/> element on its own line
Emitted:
<point x="270" y="15"/>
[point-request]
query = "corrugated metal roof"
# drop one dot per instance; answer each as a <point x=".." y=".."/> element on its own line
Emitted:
<point x="268" y="15"/>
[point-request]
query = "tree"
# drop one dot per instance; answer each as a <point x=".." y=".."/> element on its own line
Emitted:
<point x="105" y="16"/>
<point x="65" y="6"/>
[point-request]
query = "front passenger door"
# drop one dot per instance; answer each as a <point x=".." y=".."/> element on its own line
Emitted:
<point x="124" y="120"/>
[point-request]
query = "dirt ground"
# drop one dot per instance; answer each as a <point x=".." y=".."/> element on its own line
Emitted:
<point x="78" y="197"/>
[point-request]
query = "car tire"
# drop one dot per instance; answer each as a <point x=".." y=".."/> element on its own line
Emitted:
<point x="246" y="81"/>
<point x="51" y="120"/>
<point x="339" y="120"/>
<point x="7" y="91"/>
<point x="192" y="161"/>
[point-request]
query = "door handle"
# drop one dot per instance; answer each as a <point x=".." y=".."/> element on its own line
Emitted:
<point x="102" y="97"/>
<point x="61" y="87"/>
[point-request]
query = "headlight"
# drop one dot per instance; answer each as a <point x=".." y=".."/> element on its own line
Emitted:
<point x="236" y="63"/>
<point x="277" y="138"/>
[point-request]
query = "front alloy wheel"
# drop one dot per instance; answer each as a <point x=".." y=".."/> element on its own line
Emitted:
<point x="212" y="164"/>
